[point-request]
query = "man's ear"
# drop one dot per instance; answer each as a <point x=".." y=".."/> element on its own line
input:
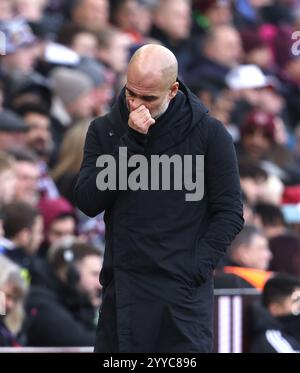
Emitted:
<point x="174" y="90"/>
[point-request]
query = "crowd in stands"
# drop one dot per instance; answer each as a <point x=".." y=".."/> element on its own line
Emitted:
<point x="63" y="63"/>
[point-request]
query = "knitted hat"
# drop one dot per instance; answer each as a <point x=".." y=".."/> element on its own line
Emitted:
<point x="52" y="209"/>
<point x="69" y="84"/>
<point x="258" y="119"/>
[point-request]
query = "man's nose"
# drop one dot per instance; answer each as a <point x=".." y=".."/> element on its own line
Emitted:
<point x="135" y="103"/>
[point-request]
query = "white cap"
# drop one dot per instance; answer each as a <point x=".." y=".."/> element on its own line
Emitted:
<point x="247" y="77"/>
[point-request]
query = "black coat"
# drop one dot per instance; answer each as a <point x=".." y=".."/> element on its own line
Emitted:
<point x="160" y="249"/>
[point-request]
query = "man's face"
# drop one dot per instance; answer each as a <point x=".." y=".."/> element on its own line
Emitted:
<point x="23" y="59"/>
<point x="226" y="48"/>
<point x="92" y="14"/>
<point x="287" y="306"/>
<point x="12" y="296"/>
<point x="155" y="95"/>
<point x="82" y="108"/>
<point x="257" y="254"/>
<point x="26" y="184"/>
<point x="175" y="19"/>
<point x="85" y="44"/>
<point x="61" y="228"/>
<point x="256" y="143"/>
<point x="89" y="269"/>
<point x="253" y="188"/>
<point x="118" y="52"/>
<point x="39" y="136"/>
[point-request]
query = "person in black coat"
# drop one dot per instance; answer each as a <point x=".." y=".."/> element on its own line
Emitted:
<point x="161" y="247"/>
<point x="275" y="321"/>
<point x="60" y="314"/>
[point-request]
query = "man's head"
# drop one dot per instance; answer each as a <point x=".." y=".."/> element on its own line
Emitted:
<point x="74" y="89"/>
<point x="59" y="219"/>
<point x="79" y="265"/>
<point x="152" y="79"/>
<point x="14" y="288"/>
<point x="88" y="262"/>
<point x="12" y="130"/>
<point x="80" y="39"/>
<point x="38" y="137"/>
<point x="27" y="175"/>
<point x="223" y="45"/>
<point x="281" y="295"/>
<point x="21" y="50"/>
<point x="24" y="226"/>
<point x="250" y="249"/>
<point x="258" y="134"/>
<point x="218" y="12"/>
<point x="253" y="180"/>
<point x="174" y="18"/>
<point x="92" y="14"/>
<point x="272" y="219"/>
<point x="113" y="49"/>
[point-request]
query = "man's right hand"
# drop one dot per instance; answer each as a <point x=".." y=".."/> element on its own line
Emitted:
<point x="140" y="119"/>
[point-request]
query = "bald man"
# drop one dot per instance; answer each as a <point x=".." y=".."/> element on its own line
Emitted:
<point x="162" y="243"/>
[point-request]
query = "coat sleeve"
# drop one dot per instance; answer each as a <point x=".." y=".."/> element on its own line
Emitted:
<point x="225" y="210"/>
<point x="88" y="198"/>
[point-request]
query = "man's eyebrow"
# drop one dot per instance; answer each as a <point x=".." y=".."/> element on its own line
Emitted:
<point x="142" y="97"/>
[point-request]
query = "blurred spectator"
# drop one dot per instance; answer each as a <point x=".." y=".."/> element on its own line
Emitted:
<point x="257" y="50"/>
<point x="271" y="329"/>
<point x="69" y="161"/>
<point x="21" y="51"/>
<point x="113" y="51"/>
<point x="272" y="219"/>
<point x="134" y="17"/>
<point x="92" y="14"/>
<point x="221" y="51"/>
<point x="211" y="13"/>
<point x="249" y="257"/>
<point x="14" y="289"/>
<point x="87" y="265"/>
<point x="73" y="100"/>
<point x="59" y="222"/>
<point x="103" y="87"/>
<point x="38" y="137"/>
<point x="286" y="254"/>
<point x="172" y="25"/>
<point x="253" y="180"/>
<point x="79" y="39"/>
<point x="31" y="10"/>
<point x="7" y="179"/>
<point x="258" y="140"/>
<point x="23" y="230"/>
<point x="27" y="176"/>
<point x="12" y="130"/>
<point x="62" y="297"/>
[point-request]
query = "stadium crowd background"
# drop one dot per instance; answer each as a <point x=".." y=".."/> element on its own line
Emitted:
<point x="62" y="63"/>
